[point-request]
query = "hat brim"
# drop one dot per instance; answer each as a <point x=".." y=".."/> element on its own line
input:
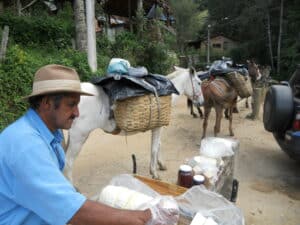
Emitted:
<point x="57" y="91"/>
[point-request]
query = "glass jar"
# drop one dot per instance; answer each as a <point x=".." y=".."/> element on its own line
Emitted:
<point x="185" y="176"/>
<point x="198" y="179"/>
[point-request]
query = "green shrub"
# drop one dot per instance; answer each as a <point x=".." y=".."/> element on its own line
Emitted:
<point x="33" y="31"/>
<point x="15" y="78"/>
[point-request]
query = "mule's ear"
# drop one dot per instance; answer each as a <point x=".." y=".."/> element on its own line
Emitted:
<point x="192" y="70"/>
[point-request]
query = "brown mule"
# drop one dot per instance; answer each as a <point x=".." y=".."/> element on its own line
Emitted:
<point x="218" y="93"/>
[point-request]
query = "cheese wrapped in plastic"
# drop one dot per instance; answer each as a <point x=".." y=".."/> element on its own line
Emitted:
<point x="123" y="198"/>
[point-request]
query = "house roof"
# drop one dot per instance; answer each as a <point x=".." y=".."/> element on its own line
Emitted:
<point x="219" y="37"/>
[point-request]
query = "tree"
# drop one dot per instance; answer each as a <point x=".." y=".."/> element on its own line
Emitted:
<point x="80" y="25"/>
<point x="185" y="12"/>
<point x="279" y="37"/>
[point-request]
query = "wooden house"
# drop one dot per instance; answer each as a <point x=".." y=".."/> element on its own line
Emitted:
<point x="219" y="46"/>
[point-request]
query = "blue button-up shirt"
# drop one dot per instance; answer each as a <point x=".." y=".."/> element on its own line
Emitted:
<point x="33" y="190"/>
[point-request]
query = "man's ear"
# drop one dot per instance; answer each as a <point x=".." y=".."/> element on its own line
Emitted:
<point x="46" y="102"/>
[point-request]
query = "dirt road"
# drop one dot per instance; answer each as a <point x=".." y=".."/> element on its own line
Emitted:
<point x="269" y="182"/>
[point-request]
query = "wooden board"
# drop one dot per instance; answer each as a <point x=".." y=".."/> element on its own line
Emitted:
<point x="161" y="187"/>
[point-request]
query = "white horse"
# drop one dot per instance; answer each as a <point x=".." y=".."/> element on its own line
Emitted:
<point x="95" y="113"/>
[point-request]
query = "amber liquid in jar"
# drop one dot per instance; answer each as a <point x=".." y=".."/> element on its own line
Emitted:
<point x="185" y="176"/>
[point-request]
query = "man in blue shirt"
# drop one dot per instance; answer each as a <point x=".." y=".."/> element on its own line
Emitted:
<point x="33" y="190"/>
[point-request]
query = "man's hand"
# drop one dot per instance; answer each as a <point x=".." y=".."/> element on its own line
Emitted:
<point x="164" y="210"/>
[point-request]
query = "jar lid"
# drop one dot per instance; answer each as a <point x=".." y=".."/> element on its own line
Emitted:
<point x="185" y="168"/>
<point x="199" y="178"/>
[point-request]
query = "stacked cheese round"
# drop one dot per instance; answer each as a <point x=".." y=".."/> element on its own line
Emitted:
<point x="123" y="198"/>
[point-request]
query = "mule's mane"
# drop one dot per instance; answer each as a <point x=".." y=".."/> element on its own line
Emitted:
<point x="174" y="74"/>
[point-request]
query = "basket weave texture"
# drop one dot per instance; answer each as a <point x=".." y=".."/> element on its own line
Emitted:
<point x="143" y="113"/>
<point x="241" y="83"/>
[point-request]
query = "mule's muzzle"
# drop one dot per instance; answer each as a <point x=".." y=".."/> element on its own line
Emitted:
<point x="116" y="131"/>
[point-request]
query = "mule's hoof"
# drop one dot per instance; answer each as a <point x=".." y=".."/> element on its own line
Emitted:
<point x="250" y="116"/>
<point x="235" y="110"/>
<point x="156" y="177"/>
<point x="162" y="167"/>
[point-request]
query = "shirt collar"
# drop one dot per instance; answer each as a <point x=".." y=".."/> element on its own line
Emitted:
<point x="37" y="121"/>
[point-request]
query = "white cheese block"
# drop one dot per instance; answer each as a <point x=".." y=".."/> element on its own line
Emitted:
<point x="123" y="198"/>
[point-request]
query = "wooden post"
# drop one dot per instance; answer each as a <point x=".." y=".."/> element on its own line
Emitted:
<point x="4" y="42"/>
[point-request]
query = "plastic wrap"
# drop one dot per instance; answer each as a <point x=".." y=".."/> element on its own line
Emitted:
<point x="166" y="209"/>
<point x="127" y="192"/>
<point x="215" y="147"/>
<point x="209" y="204"/>
<point x="224" y="66"/>
<point x="118" y="66"/>
<point x="119" y="87"/>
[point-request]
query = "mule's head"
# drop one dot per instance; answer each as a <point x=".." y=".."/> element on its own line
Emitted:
<point x="193" y="88"/>
<point x="253" y="70"/>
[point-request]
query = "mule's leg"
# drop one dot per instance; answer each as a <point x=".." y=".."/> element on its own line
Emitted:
<point x="246" y="103"/>
<point x="230" y="121"/>
<point x="200" y="112"/>
<point x="207" y="111"/>
<point x="190" y="105"/>
<point x="77" y="138"/>
<point x="226" y="114"/>
<point x="219" y="114"/>
<point x="155" y="155"/>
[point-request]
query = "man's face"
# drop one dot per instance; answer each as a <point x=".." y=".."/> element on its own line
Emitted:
<point x="63" y="116"/>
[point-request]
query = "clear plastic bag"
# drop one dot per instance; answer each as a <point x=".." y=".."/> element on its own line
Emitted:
<point x="209" y="204"/>
<point x="166" y="209"/>
<point x="216" y="147"/>
<point x="125" y="191"/>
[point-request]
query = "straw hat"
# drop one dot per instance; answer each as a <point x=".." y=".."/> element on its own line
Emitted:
<point x="56" y="78"/>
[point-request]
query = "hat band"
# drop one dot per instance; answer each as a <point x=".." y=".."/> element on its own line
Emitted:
<point x="54" y="85"/>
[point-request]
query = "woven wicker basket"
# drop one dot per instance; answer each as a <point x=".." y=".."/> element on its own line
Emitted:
<point x="241" y="83"/>
<point x="143" y="113"/>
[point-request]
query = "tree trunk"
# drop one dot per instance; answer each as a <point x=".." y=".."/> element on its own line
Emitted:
<point x="80" y="26"/>
<point x="4" y="42"/>
<point x="140" y="18"/>
<point x="91" y="35"/>
<point x="19" y="7"/>
<point x="279" y="37"/>
<point x="1" y="7"/>
<point x="129" y="16"/>
<point x="270" y="40"/>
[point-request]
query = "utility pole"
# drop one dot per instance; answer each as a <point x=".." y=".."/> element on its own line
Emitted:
<point x="91" y="35"/>
<point x="208" y="44"/>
